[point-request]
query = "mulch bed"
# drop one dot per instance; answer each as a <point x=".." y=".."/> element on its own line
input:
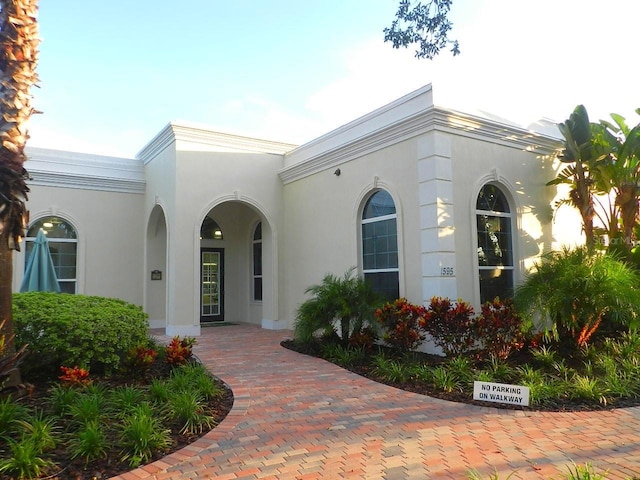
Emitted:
<point x="111" y="466"/>
<point x="424" y="388"/>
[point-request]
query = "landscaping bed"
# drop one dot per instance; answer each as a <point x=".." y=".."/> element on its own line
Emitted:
<point x="61" y="465"/>
<point x="611" y="385"/>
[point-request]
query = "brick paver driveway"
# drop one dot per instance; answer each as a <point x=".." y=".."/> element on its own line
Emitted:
<point x="298" y="417"/>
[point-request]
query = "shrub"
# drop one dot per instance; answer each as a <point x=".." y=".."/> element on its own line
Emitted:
<point x="499" y="328"/>
<point x="91" y="332"/>
<point x="573" y="292"/>
<point x="364" y="339"/>
<point x="347" y="300"/>
<point x="139" y="359"/>
<point x="401" y="322"/>
<point x="450" y="325"/>
<point x="179" y="352"/>
<point x="74" y="377"/>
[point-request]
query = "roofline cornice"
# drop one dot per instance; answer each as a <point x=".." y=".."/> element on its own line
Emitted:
<point x="182" y="132"/>
<point x="431" y="119"/>
<point x="59" y="168"/>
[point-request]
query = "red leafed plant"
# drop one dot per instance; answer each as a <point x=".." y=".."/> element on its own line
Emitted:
<point x="179" y="351"/>
<point x="363" y="338"/>
<point x="140" y="358"/>
<point x="75" y="376"/>
<point x="450" y="325"/>
<point x="401" y="321"/>
<point x="499" y="328"/>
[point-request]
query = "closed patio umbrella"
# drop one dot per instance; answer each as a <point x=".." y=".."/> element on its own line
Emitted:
<point x="40" y="275"/>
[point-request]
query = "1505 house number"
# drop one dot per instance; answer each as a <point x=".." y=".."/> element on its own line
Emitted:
<point x="446" y="271"/>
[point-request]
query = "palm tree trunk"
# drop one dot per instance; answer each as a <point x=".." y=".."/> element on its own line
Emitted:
<point x="18" y="57"/>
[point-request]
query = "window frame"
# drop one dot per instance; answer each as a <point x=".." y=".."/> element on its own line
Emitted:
<point x="255" y="277"/>
<point x="52" y="242"/>
<point x="368" y="272"/>
<point x="510" y="218"/>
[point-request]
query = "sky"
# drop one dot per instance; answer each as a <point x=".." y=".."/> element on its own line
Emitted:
<point x="113" y="73"/>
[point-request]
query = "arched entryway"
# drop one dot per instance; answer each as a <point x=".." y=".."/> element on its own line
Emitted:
<point x="236" y="265"/>
<point x="155" y="292"/>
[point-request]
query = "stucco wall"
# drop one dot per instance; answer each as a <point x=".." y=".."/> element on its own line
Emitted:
<point x="322" y="213"/>
<point x="241" y="188"/>
<point x="110" y="232"/>
<point x="521" y="175"/>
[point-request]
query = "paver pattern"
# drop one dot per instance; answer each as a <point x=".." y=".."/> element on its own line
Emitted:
<point x="298" y="417"/>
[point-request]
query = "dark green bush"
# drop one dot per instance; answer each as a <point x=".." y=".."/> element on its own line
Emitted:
<point x="87" y="331"/>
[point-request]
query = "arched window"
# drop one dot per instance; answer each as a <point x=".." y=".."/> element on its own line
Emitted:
<point x="63" y="244"/>
<point x="380" y="245"/>
<point x="257" y="263"/>
<point x="495" y="244"/>
<point x="210" y="230"/>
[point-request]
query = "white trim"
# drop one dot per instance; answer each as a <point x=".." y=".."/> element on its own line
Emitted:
<point x="204" y="136"/>
<point x="345" y="148"/>
<point x="57" y="168"/>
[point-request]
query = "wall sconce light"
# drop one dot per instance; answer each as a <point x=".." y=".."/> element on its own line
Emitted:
<point x="337" y="172"/>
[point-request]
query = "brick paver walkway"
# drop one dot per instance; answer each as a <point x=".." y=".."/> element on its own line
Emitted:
<point x="298" y="417"/>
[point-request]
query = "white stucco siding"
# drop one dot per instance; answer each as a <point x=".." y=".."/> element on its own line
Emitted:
<point x="241" y="188"/>
<point x="110" y="233"/>
<point x="522" y="176"/>
<point x="322" y="215"/>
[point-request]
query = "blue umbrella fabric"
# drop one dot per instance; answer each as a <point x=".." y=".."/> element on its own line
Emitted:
<point x="40" y="275"/>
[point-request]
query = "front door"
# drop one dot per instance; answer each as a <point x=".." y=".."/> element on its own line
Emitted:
<point x="211" y="285"/>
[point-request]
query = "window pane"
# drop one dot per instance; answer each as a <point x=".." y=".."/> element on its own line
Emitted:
<point x="257" y="288"/>
<point x="380" y="204"/>
<point x="384" y="283"/>
<point x="492" y="199"/>
<point x="257" y="259"/>
<point x="64" y="259"/>
<point x="210" y="230"/>
<point x="257" y="234"/>
<point x="53" y="227"/>
<point x="494" y="241"/>
<point x="495" y="283"/>
<point x="380" y="245"/>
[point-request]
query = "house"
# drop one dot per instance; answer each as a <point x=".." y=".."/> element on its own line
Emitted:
<point x="206" y="227"/>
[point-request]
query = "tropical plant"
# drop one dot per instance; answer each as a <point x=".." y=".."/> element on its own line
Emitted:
<point x="25" y="460"/>
<point x="89" y="442"/>
<point x="18" y="57"/>
<point x="401" y="323"/>
<point x="572" y="292"/>
<point x="10" y="360"/>
<point x="188" y="408"/>
<point x="584" y="472"/>
<point x="580" y="155"/>
<point x="348" y="300"/>
<point x="74" y="376"/>
<point x="10" y="412"/>
<point x="450" y="325"/>
<point x="180" y="351"/>
<point x="620" y="173"/>
<point x="141" y="435"/>
<point x="445" y="379"/>
<point x="499" y="328"/>
<point x="40" y="428"/>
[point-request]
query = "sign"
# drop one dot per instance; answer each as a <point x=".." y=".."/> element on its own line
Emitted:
<point x="501" y="393"/>
<point x="156" y="275"/>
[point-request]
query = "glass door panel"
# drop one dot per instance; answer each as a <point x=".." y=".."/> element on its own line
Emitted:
<point x="211" y="281"/>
